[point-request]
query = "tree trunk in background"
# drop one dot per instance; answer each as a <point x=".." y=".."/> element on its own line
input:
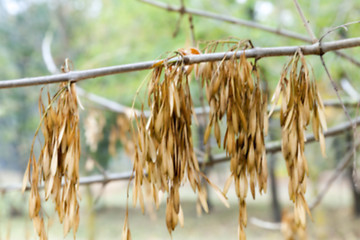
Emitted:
<point x="274" y="134"/>
<point x="356" y="194"/>
<point x="273" y="184"/>
<point x="274" y="190"/>
<point x="201" y="131"/>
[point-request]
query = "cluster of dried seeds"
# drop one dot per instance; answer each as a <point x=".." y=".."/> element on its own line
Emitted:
<point x="122" y="131"/>
<point x="164" y="142"/>
<point x="290" y="229"/>
<point x="94" y="125"/>
<point x="231" y="90"/>
<point x="299" y="98"/>
<point x="58" y="163"/>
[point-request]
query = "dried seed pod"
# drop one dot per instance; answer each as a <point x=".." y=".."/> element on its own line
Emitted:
<point x="122" y="131"/>
<point x="300" y="97"/>
<point x="59" y="159"/>
<point x="232" y="90"/>
<point x="290" y="229"/>
<point x="126" y="234"/>
<point x="94" y="124"/>
<point x="164" y="146"/>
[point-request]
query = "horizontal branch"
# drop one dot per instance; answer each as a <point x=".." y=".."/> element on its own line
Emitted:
<point x="257" y="53"/>
<point x="116" y="107"/>
<point x="228" y="19"/>
<point x="106" y="103"/>
<point x="242" y="22"/>
<point x="88" y="180"/>
<point x="271" y="147"/>
<point x="275" y="146"/>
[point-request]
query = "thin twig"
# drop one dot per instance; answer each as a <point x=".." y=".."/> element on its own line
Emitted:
<point x="355" y="174"/>
<point x="343" y="164"/>
<point x="343" y="26"/>
<point x="306" y="22"/>
<point x="348" y="57"/>
<point x="74" y="76"/>
<point x="177" y="26"/>
<point x="192" y="32"/>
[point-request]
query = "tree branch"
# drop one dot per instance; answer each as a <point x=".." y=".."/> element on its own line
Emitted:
<point x="305" y="21"/>
<point x="275" y="146"/>
<point x="242" y="22"/>
<point x="271" y="147"/>
<point x="343" y="164"/>
<point x="111" y="177"/>
<point x="347" y="57"/>
<point x="75" y="76"/>
<point x="228" y="19"/>
<point x="107" y="104"/>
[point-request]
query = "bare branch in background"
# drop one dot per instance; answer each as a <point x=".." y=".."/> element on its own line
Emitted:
<point x="178" y="22"/>
<point x="228" y="19"/>
<point x="306" y="22"/>
<point x="111" y="177"/>
<point x="355" y="172"/>
<point x="349" y="89"/>
<point x="46" y="53"/>
<point x="275" y="146"/>
<point x="343" y="164"/>
<point x="243" y="22"/>
<point x="109" y="104"/>
<point x="192" y="32"/>
<point x="271" y="147"/>
<point x="265" y="224"/>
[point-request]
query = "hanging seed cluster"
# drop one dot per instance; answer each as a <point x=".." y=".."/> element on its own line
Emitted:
<point x="94" y="125"/>
<point x="58" y="161"/>
<point x="165" y="147"/>
<point x="291" y="230"/>
<point x="299" y="98"/>
<point x="122" y="132"/>
<point x="231" y="90"/>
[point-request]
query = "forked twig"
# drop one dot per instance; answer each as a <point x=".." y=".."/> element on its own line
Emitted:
<point x="343" y="26"/>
